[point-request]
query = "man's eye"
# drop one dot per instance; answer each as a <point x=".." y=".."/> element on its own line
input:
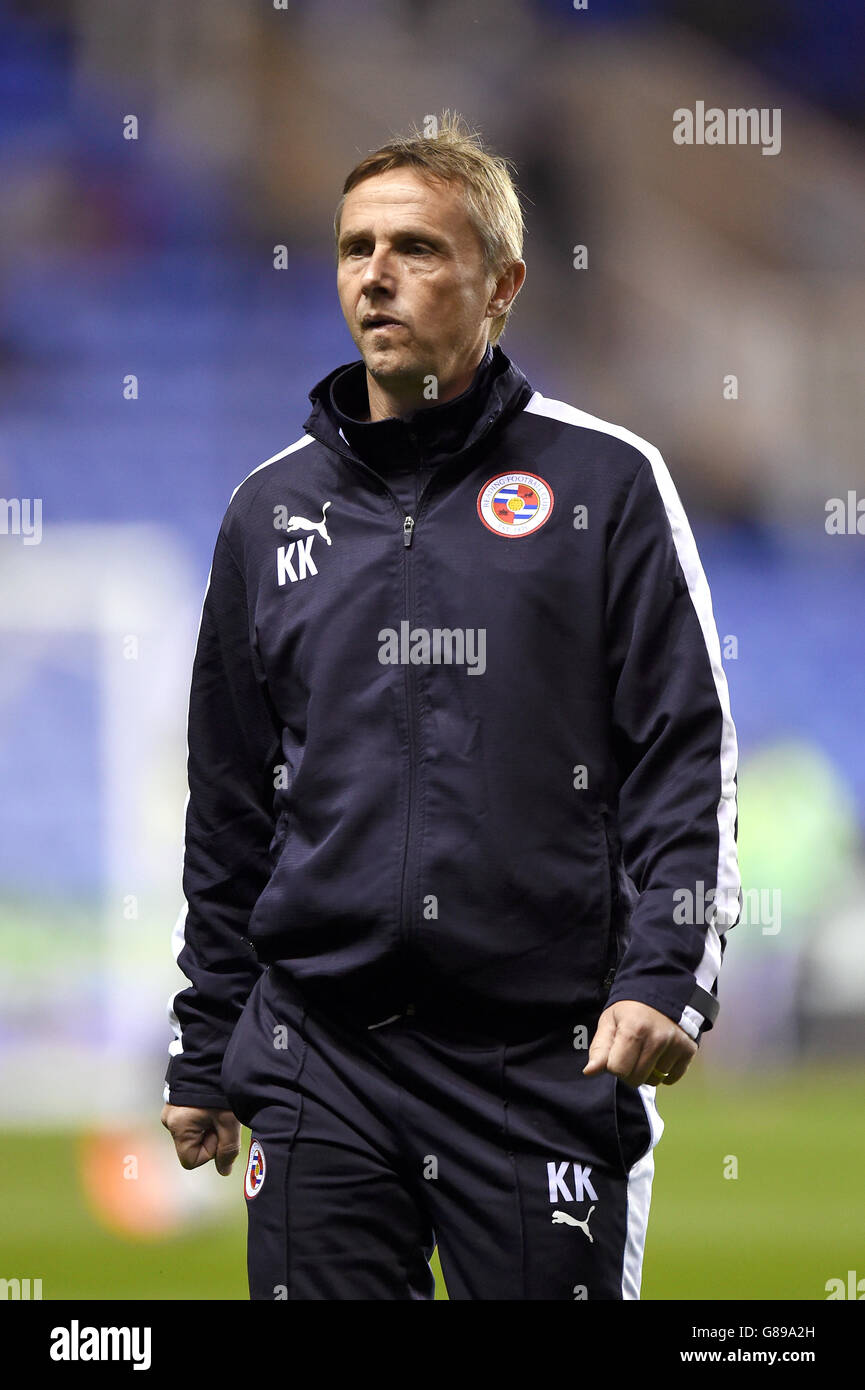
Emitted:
<point x="419" y="249"/>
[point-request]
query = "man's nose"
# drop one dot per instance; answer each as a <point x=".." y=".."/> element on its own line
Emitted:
<point x="378" y="273"/>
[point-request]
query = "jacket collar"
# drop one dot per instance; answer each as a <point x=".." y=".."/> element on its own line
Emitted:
<point x="425" y="437"/>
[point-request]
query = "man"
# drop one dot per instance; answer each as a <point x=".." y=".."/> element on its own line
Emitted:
<point x="462" y="777"/>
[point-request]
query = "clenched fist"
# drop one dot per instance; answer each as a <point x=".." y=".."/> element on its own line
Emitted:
<point x="200" y="1135"/>
<point x="639" y="1044"/>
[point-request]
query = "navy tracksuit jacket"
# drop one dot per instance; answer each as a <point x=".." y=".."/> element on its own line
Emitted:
<point x="462" y="772"/>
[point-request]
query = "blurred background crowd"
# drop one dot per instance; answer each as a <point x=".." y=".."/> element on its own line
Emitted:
<point x="153" y="158"/>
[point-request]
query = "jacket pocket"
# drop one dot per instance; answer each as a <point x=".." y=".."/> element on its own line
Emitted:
<point x="611" y="845"/>
<point x="634" y="1135"/>
<point x="280" y="835"/>
<point x="232" y="1072"/>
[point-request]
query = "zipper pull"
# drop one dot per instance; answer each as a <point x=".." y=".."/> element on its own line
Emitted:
<point x="407" y="529"/>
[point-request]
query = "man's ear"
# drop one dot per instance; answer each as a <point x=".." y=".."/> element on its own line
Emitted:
<point x="506" y="289"/>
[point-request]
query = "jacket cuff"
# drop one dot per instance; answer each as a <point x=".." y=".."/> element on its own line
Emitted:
<point x="699" y="1013"/>
<point x="200" y="1100"/>
<point x="695" y="1017"/>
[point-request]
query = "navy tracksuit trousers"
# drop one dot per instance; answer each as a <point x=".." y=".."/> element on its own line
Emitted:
<point x="370" y="1145"/>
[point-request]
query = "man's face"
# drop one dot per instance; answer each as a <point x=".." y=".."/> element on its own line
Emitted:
<point x="411" y="281"/>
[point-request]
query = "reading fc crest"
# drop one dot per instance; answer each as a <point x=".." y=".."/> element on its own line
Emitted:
<point x="255" y="1170"/>
<point x="515" y="504"/>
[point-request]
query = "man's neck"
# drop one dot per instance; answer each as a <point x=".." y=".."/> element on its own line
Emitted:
<point x="384" y="404"/>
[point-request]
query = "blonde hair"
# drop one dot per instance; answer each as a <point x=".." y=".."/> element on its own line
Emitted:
<point x="454" y="153"/>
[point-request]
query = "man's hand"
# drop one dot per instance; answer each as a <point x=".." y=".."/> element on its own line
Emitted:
<point x="200" y="1135"/>
<point x="639" y="1044"/>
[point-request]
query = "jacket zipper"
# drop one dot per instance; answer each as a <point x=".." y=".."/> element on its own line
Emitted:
<point x="405" y="920"/>
<point x="408" y="529"/>
<point x="409" y="526"/>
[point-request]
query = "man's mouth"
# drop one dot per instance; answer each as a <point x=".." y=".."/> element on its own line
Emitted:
<point x="376" y="321"/>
